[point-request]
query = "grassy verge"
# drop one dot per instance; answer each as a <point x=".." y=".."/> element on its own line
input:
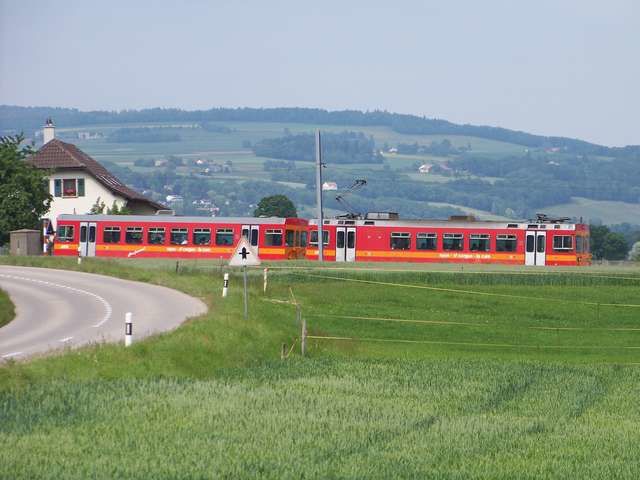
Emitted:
<point x="7" y="311"/>
<point x="481" y="375"/>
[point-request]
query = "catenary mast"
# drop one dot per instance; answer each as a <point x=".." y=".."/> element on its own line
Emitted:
<point x="319" y="195"/>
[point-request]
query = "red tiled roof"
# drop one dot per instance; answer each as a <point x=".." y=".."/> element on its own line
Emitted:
<point x="57" y="155"/>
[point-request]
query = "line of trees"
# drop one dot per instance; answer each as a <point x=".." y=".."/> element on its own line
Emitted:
<point x="29" y="119"/>
<point x="345" y="147"/>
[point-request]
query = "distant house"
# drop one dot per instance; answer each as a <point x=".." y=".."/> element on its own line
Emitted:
<point x="425" y="168"/>
<point x="77" y="181"/>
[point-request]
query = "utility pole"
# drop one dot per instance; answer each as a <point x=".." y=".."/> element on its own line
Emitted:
<point x="319" y="195"/>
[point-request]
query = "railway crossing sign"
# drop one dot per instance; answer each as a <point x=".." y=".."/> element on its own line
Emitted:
<point x="244" y="255"/>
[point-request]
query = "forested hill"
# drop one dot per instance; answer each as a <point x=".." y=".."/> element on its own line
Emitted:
<point x="14" y="119"/>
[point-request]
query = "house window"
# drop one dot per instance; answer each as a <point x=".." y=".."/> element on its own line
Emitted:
<point x="111" y="234"/>
<point x="155" y="236"/>
<point x="224" y="236"/>
<point x="201" y="236"/>
<point x="506" y="243"/>
<point x="426" y="241"/>
<point x="68" y="187"/>
<point x="179" y="236"/>
<point x="314" y="238"/>
<point x="273" y="238"/>
<point x="452" y="241"/>
<point x="563" y="242"/>
<point x="479" y="242"/>
<point x="133" y="235"/>
<point x="65" y="233"/>
<point x="400" y="241"/>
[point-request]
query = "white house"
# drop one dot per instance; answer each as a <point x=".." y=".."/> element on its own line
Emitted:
<point x="425" y="168"/>
<point x="77" y="181"/>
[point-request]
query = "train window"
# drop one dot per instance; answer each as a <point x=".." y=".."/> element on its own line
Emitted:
<point x="201" y="236"/>
<point x="297" y="238"/>
<point x="426" y="241"/>
<point x="65" y="233"/>
<point x="579" y="244"/>
<point x="133" y="235"/>
<point x="111" y="235"/>
<point x="273" y="238"/>
<point x="288" y="242"/>
<point x="479" y="242"/>
<point x="506" y="243"/>
<point x="531" y="243"/>
<point x="224" y="236"/>
<point x="303" y="238"/>
<point x="452" y="241"/>
<point x="155" y="236"/>
<point x="351" y="239"/>
<point x="179" y="236"/>
<point x="400" y="241"/>
<point x="83" y="233"/>
<point x="562" y="242"/>
<point x="314" y="238"/>
<point x="540" y="239"/>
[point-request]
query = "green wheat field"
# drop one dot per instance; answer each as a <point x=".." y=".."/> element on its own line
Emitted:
<point x="421" y="372"/>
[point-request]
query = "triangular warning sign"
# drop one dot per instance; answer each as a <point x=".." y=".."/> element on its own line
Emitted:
<point x="244" y="255"/>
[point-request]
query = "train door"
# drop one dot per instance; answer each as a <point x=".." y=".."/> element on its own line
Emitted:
<point x="251" y="233"/>
<point x="535" y="248"/>
<point x="345" y="244"/>
<point x="87" y="244"/>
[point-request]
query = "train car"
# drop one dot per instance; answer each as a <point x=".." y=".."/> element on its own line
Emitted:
<point x="384" y="237"/>
<point x="142" y="236"/>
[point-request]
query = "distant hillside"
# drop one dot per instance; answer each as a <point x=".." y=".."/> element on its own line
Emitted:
<point x="14" y="119"/>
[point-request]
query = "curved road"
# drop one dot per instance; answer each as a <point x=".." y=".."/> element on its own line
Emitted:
<point x="60" y="308"/>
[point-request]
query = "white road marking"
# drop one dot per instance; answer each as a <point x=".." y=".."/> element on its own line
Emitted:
<point x="66" y="339"/>
<point x="13" y="354"/>
<point x="107" y="306"/>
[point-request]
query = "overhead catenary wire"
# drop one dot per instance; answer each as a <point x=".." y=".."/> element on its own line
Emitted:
<point x="469" y="292"/>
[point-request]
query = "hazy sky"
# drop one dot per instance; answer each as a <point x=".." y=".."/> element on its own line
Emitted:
<point x="553" y="67"/>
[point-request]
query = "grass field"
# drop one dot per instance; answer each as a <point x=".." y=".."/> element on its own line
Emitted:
<point x="604" y="211"/>
<point x="482" y="373"/>
<point x="6" y="309"/>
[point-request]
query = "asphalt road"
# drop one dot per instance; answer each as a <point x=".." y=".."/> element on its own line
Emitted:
<point x="60" y="309"/>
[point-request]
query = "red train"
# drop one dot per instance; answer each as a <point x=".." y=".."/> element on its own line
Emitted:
<point x="384" y="237"/>
<point x="376" y="237"/>
<point x="179" y="237"/>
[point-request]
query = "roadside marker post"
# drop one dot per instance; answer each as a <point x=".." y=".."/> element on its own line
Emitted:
<point x="225" y="285"/>
<point x="264" y="287"/>
<point x="244" y="255"/>
<point x="79" y="256"/>
<point x="128" y="329"/>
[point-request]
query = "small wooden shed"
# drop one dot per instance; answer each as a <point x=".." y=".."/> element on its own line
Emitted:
<point x="25" y="242"/>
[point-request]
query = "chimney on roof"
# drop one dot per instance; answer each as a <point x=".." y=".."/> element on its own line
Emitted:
<point x="49" y="131"/>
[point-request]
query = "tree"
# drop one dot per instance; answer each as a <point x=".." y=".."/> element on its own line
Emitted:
<point x="97" y="208"/>
<point x="24" y="190"/>
<point x="598" y="234"/>
<point x="275" y="206"/>
<point x="116" y="210"/>
<point x="615" y="246"/>
<point x="634" y="254"/>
